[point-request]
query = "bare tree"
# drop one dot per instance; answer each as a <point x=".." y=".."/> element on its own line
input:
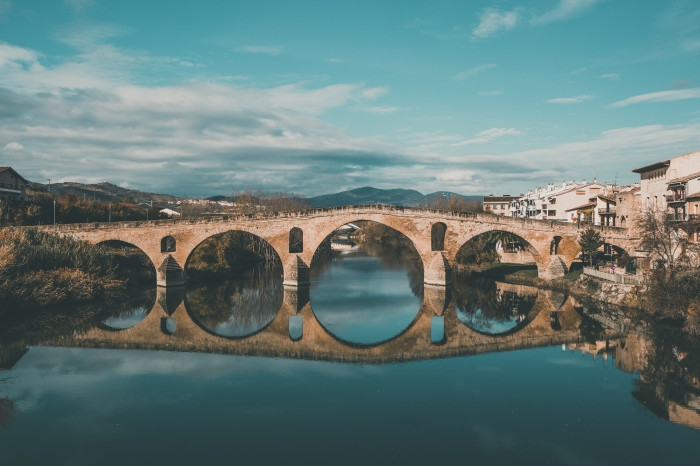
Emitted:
<point x="661" y="237"/>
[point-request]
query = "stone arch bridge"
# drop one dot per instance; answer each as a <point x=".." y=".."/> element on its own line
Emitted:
<point x="295" y="236"/>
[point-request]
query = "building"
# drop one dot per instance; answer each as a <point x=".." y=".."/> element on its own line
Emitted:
<point x="555" y="202"/>
<point x="13" y="187"/>
<point x="673" y="186"/>
<point x="499" y="205"/>
<point x="614" y="206"/>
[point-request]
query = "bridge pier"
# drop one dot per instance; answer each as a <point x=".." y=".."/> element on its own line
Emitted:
<point x="169" y="273"/>
<point x="437" y="270"/>
<point x="551" y="267"/>
<point x="436" y="298"/>
<point x="296" y="272"/>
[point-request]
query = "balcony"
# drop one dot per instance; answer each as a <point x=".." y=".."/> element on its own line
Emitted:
<point x="608" y="211"/>
<point x="670" y="198"/>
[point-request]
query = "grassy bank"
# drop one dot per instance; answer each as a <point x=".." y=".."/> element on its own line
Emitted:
<point x="39" y="269"/>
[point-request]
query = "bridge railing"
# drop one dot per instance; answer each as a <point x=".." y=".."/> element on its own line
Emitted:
<point x="623" y="278"/>
<point x="360" y="209"/>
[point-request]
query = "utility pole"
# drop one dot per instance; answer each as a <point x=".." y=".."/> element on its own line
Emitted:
<point x="109" y="219"/>
<point x="54" y="212"/>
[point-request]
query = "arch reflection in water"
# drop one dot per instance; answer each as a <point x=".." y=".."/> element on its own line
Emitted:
<point x="484" y="306"/>
<point x="370" y="294"/>
<point x="239" y="306"/>
<point x="131" y="310"/>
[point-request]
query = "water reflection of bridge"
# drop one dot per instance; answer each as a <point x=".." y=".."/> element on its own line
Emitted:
<point x="553" y="320"/>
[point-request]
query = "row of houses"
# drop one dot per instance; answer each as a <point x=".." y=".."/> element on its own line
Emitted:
<point x="671" y="185"/>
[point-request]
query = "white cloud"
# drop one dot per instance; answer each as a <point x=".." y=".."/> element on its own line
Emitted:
<point x="13" y="146"/>
<point x="373" y="93"/>
<point x="381" y="110"/>
<point x="263" y="49"/>
<point x="488" y="136"/>
<point x="566" y="9"/>
<point x="17" y="57"/>
<point x="492" y="21"/>
<point x="570" y="100"/>
<point x="610" y="76"/>
<point x="460" y="76"/>
<point x="663" y="96"/>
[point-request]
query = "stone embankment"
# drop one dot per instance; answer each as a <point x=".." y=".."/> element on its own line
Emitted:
<point x="627" y="295"/>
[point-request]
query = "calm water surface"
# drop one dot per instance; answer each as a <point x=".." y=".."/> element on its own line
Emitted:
<point x="602" y="402"/>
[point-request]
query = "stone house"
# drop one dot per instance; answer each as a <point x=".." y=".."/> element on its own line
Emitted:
<point x="13" y="187"/>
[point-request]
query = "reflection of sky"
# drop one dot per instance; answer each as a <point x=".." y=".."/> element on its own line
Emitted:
<point x="477" y="321"/>
<point x="360" y="301"/>
<point x="127" y="319"/>
<point x="116" y="407"/>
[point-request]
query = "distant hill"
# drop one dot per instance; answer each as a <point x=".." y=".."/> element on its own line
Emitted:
<point x="369" y="195"/>
<point x="103" y="192"/>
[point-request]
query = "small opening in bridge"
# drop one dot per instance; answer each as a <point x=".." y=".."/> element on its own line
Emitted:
<point x="437" y="236"/>
<point x="296" y="240"/>
<point x="167" y="244"/>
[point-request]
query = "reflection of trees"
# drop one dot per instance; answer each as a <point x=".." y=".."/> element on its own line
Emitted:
<point x="129" y="303"/>
<point x="8" y="408"/>
<point x="482" y="305"/>
<point x="671" y="371"/>
<point x="246" y="303"/>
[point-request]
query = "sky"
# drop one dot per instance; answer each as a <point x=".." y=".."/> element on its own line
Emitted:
<point x="312" y="97"/>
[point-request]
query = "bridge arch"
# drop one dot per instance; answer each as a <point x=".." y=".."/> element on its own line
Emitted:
<point x="484" y="235"/>
<point x="206" y="249"/>
<point x="126" y="262"/>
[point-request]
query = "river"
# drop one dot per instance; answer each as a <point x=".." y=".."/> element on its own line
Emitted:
<point x="366" y="366"/>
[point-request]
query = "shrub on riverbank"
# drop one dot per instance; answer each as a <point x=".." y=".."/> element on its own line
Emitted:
<point x="40" y="269"/>
<point x="675" y="295"/>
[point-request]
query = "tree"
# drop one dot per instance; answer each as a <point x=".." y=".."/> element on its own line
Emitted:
<point x="661" y="237"/>
<point x="590" y="242"/>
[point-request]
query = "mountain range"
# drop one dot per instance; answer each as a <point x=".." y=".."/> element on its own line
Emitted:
<point x="103" y="192"/>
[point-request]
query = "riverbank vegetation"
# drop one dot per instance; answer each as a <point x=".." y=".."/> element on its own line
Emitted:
<point x="229" y="253"/>
<point x="44" y="208"/>
<point x="41" y="269"/>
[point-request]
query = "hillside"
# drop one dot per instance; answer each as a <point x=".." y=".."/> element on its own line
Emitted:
<point x="369" y="195"/>
<point x="104" y="191"/>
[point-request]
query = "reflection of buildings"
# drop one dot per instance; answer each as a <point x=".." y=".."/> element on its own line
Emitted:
<point x="340" y="238"/>
<point x="669" y="378"/>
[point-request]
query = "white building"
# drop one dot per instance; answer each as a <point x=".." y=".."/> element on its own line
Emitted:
<point x="554" y="202"/>
<point x="673" y="186"/>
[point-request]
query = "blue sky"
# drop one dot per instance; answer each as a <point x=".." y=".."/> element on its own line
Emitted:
<point x="209" y="97"/>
